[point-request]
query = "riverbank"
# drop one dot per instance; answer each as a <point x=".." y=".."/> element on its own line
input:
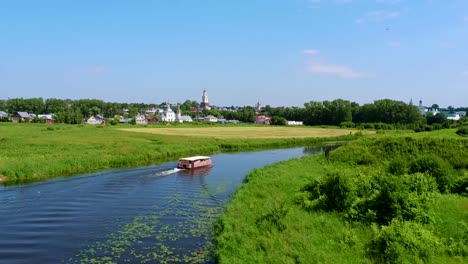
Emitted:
<point x="35" y="152"/>
<point x="393" y="199"/>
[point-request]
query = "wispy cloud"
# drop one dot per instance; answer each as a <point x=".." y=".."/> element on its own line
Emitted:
<point x="377" y="16"/>
<point x="341" y="71"/>
<point x="96" y="69"/>
<point x="394" y="44"/>
<point x="465" y="73"/>
<point x="316" y="66"/>
<point x="310" y="51"/>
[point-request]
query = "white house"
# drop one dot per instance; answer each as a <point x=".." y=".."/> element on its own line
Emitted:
<point x="210" y="118"/>
<point x="95" y="120"/>
<point x="151" y="111"/>
<point x="3" y="115"/>
<point x="49" y="118"/>
<point x="294" y="123"/>
<point x="184" y="118"/>
<point x="453" y="116"/>
<point x="168" y="115"/>
<point x="141" y="120"/>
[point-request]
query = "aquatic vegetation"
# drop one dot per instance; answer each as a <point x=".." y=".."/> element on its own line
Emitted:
<point x="178" y="231"/>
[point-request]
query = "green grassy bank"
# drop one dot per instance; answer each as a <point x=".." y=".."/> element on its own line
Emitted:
<point x="34" y="152"/>
<point x="387" y="199"/>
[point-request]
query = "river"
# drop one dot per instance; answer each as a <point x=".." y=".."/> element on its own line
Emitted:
<point x="151" y="214"/>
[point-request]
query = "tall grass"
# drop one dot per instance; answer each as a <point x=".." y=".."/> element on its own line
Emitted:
<point x="387" y="199"/>
<point x="33" y="152"/>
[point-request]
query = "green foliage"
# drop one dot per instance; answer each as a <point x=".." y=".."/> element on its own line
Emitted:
<point x="347" y="124"/>
<point x="371" y="210"/>
<point x="369" y="199"/>
<point x="398" y="166"/>
<point x="78" y="149"/>
<point x="463" y="131"/>
<point x="278" y="121"/>
<point x="403" y="242"/>
<point x="436" y="167"/>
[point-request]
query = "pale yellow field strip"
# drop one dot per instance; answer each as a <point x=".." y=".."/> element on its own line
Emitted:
<point x="248" y="132"/>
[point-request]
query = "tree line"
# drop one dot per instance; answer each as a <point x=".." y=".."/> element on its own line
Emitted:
<point x="336" y="112"/>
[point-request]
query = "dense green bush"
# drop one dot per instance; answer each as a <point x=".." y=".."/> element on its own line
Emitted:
<point x="398" y="166"/>
<point x="437" y="168"/>
<point x="403" y="242"/>
<point x="463" y="131"/>
<point x="347" y="124"/>
<point x="370" y="199"/>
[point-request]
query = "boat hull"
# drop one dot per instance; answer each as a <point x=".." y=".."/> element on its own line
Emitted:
<point x="194" y="164"/>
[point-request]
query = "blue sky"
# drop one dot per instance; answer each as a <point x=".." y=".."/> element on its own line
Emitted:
<point x="281" y="52"/>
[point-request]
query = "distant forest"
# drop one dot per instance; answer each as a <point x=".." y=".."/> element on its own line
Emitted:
<point x="338" y="112"/>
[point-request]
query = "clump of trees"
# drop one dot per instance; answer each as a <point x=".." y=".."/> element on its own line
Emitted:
<point x="390" y="184"/>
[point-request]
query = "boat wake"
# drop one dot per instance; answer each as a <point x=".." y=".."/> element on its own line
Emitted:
<point x="168" y="172"/>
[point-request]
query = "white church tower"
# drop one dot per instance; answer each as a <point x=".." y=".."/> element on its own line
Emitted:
<point x="205" y="104"/>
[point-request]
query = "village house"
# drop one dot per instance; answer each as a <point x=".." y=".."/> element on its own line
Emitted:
<point x="3" y="115"/>
<point x="151" y="111"/>
<point x="48" y="118"/>
<point x="453" y="116"/>
<point x="152" y="119"/>
<point x="210" y="118"/>
<point x="21" y="117"/>
<point x="141" y="120"/>
<point x="262" y="119"/>
<point x="95" y="120"/>
<point x="294" y="123"/>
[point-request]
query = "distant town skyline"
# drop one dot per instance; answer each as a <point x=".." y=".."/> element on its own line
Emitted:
<point x="278" y="52"/>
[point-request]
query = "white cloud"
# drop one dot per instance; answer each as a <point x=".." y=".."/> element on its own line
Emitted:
<point x="310" y="51"/>
<point x="327" y="69"/>
<point x="465" y="73"/>
<point x="378" y="16"/>
<point x="394" y="44"/>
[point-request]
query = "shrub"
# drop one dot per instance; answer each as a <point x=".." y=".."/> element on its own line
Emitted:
<point x="436" y="167"/>
<point x="333" y="192"/>
<point x="461" y="186"/>
<point x="463" y="131"/>
<point x="347" y="124"/>
<point x="369" y="199"/>
<point x="403" y="242"/>
<point x="398" y="166"/>
<point x="354" y="154"/>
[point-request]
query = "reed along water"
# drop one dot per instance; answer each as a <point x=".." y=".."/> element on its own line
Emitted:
<point x="152" y="214"/>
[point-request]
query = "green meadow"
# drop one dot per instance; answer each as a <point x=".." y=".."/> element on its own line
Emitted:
<point x="34" y="152"/>
<point x="392" y="198"/>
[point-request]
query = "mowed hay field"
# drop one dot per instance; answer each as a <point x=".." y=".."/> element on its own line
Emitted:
<point x="264" y="132"/>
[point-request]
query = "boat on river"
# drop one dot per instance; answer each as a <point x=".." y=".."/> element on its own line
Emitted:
<point x="194" y="162"/>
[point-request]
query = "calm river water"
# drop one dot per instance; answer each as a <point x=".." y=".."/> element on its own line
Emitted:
<point x="151" y="214"/>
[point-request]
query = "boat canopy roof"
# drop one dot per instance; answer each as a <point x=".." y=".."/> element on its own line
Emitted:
<point x="195" y="158"/>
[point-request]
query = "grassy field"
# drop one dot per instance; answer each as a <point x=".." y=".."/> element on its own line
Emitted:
<point x="32" y="152"/>
<point x="376" y="200"/>
<point x="252" y="132"/>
